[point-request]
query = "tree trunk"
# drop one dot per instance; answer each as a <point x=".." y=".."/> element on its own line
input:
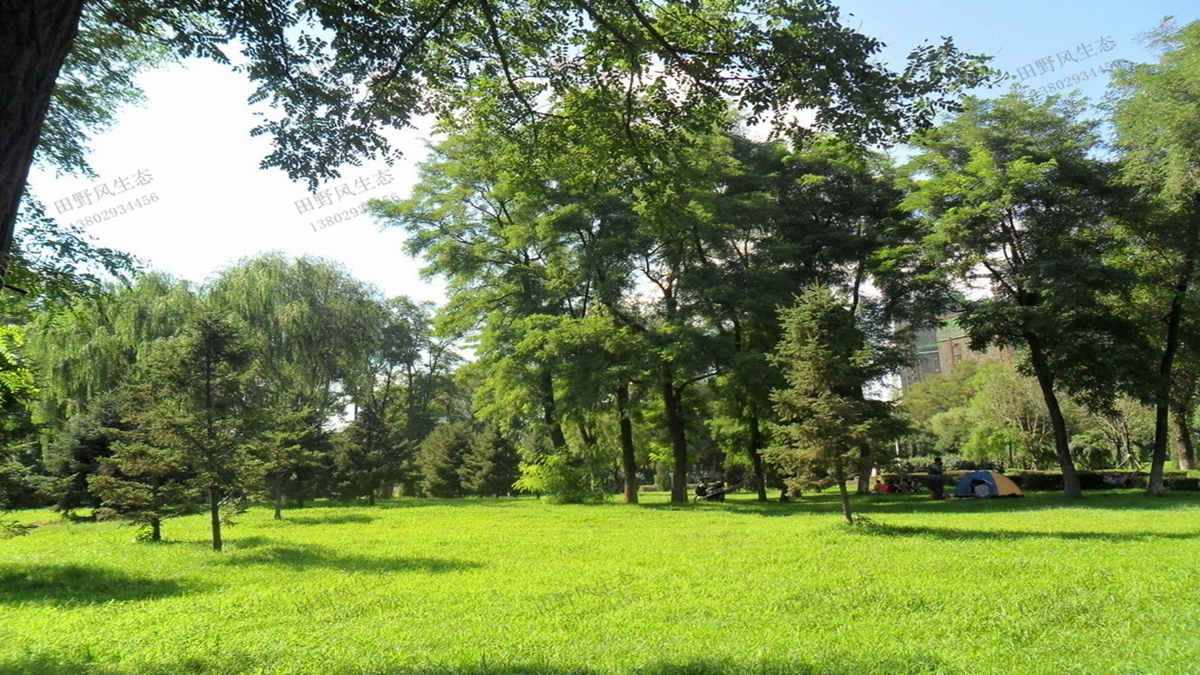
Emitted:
<point x="214" y="509"/>
<point x="156" y="529"/>
<point x="35" y="38"/>
<point x="755" y="452"/>
<point x="864" y="471"/>
<point x="550" y="412"/>
<point x="671" y="403"/>
<point x="279" y="505"/>
<point x="1165" y="368"/>
<point x="1185" y="451"/>
<point x="845" y="494"/>
<point x="1062" y="445"/>
<point x="628" y="456"/>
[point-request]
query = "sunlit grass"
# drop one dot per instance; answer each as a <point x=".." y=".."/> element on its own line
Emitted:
<point x="1110" y="584"/>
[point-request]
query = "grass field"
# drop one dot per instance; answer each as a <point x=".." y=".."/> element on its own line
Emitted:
<point x="1109" y="584"/>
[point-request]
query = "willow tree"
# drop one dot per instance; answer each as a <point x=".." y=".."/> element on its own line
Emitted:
<point x="318" y="326"/>
<point x="89" y="348"/>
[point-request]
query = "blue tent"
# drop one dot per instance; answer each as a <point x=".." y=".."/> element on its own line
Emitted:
<point x="987" y="484"/>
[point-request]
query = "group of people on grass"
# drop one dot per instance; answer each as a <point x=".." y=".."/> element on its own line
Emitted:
<point x="934" y="472"/>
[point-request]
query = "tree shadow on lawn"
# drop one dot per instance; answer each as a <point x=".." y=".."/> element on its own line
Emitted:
<point x="240" y="663"/>
<point x="830" y="503"/>
<point x="80" y="584"/>
<point x="329" y="519"/>
<point x="307" y="557"/>
<point x="993" y="535"/>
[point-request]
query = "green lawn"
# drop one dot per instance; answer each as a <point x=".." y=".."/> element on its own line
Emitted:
<point x="1109" y="584"/>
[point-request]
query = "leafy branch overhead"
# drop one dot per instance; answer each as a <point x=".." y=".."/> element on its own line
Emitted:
<point x="368" y="67"/>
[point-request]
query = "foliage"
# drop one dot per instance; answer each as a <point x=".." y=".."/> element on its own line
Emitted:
<point x="79" y="451"/>
<point x="291" y="449"/>
<point x="491" y="466"/>
<point x="1156" y="118"/>
<point x="90" y="347"/>
<point x="1012" y="194"/>
<point x="440" y="457"/>
<point x="193" y="407"/>
<point x="564" y="479"/>
<point x="144" y="485"/>
<point x="825" y="419"/>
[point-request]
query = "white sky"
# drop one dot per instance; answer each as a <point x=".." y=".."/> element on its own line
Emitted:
<point x="215" y="206"/>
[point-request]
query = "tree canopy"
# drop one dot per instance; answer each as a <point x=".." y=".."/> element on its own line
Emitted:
<point x="337" y="74"/>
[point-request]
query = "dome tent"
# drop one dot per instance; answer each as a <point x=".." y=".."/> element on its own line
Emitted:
<point x="987" y="484"/>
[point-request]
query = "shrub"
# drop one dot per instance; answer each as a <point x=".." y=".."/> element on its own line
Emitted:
<point x="1037" y="480"/>
<point x="1182" y="483"/>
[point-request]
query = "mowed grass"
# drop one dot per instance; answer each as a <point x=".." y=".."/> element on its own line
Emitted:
<point x="1109" y="584"/>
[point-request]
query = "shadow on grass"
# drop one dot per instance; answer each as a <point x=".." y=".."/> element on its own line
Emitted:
<point x="327" y="518"/>
<point x="232" y="663"/>
<point x="829" y="503"/>
<point x="78" y="584"/>
<point x="992" y="534"/>
<point x="308" y="557"/>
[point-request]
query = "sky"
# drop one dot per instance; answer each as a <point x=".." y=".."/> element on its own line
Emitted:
<point x="179" y="185"/>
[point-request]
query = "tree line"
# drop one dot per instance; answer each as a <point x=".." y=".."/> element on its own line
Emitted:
<point x="640" y="293"/>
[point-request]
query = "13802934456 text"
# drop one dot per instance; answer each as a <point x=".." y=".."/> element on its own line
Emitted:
<point x="117" y="210"/>
<point x="343" y="215"/>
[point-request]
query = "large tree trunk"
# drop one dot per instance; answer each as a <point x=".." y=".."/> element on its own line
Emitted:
<point x="628" y="456"/>
<point x="671" y="403"/>
<point x="756" y="460"/>
<point x="558" y="439"/>
<point x="35" y="38"/>
<point x="1185" y="451"/>
<point x="1062" y="445"/>
<point x="214" y="510"/>
<point x="1165" y="369"/>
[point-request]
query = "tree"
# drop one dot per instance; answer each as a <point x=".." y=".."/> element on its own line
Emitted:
<point x="89" y="348"/>
<point x="1012" y="194"/>
<point x="1157" y="118"/>
<point x="292" y="446"/>
<point x="144" y="484"/>
<point x="825" y="420"/>
<point x="78" y="452"/>
<point x="317" y="327"/>
<point x="815" y="213"/>
<point x="491" y="466"/>
<point x="338" y="73"/>
<point x="318" y="332"/>
<point x="1010" y="414"/>
<point x="441" y="456"/>
<point x="193" y="405"/>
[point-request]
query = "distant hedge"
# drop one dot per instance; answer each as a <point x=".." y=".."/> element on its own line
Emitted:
<point x="1052" y="481"/>
<point x="1039" y="481"/>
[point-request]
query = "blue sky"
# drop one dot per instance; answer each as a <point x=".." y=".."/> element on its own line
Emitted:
<point x="179" y="185"/>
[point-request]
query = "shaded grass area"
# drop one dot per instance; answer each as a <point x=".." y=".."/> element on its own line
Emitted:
<point x="1108" y="584"/>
